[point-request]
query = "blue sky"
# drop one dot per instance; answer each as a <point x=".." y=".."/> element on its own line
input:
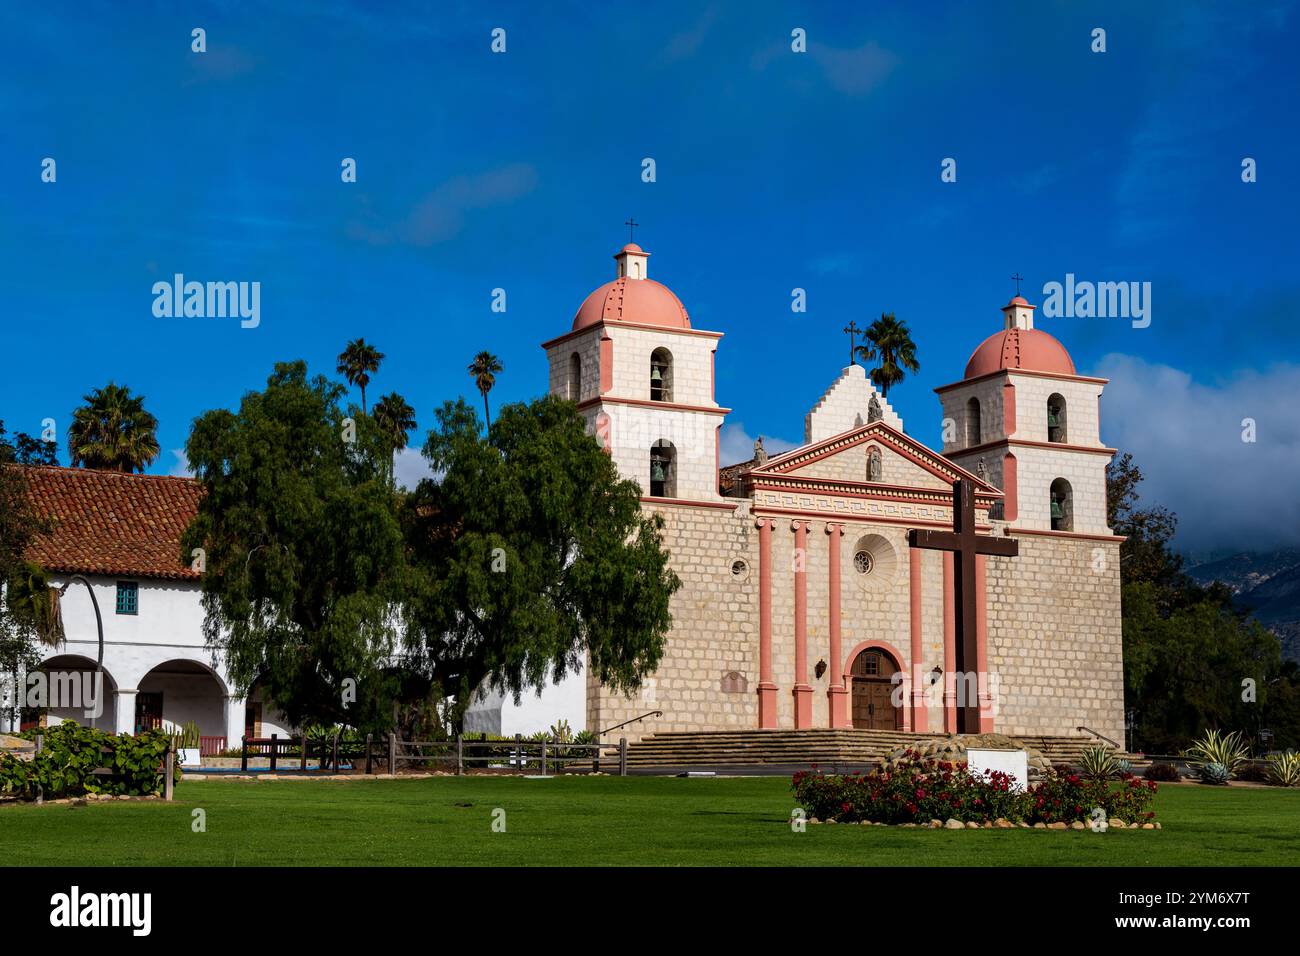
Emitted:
<point x="775" y="170"/>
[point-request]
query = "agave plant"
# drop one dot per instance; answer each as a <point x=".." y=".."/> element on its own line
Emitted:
<point x="1099" y="763"/>
<point x="1215" y="773"/>
<point x="1228" y="750"/>
<point x="1284" y="769"/>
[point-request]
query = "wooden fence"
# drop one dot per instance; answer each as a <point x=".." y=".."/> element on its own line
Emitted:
<point x="519" y="754"/>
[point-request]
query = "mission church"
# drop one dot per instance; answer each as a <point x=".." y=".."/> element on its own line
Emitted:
<point x="804" y="602"/>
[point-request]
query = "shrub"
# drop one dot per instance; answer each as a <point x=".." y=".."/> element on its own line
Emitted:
<point x="69" y="754"/>
<point x="1284" y="769"/>
<point x="1254" y="771"/>
<point x="1227" y="750"/>
<point x="1130" y="800"/>
<point x="1164" y="772"/>
<point x="1099" y="763"/>
<point x="1215" y="773"/>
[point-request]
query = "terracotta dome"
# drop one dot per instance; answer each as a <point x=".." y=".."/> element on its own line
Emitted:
<point x="637" y="301"/>
<point x="1030" y="349"/>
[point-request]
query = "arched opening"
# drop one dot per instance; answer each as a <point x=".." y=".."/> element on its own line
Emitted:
<point x="177" y="692"/>
<point x="663" y="469"/>
<point x="66" y="689"/>
<point x="871" y="676"/>
<point x="1056" y="417"/>
<point x="1062" y="505"/>
<point x="661" y="375"/>
<point x="973" y="427"/>
<point x="575" y="377"/>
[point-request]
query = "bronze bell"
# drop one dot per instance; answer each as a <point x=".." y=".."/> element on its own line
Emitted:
<point x="656" y="469"/>
<point x="1057" y="511"/>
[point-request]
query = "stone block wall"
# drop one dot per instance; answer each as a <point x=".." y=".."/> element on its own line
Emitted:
<point x="1055" y="642"/>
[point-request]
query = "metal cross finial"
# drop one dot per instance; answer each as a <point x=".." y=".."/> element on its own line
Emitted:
<point x="1019" y="278"/>
<point x="852" y="330"/>
<point x="631" y="225"/>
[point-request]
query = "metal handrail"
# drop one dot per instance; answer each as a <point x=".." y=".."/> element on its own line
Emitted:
<point x="1100" y="736"/>
<point x="648" y="713"/>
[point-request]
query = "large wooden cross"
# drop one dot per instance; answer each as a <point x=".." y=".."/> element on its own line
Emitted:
<point x="965" y="544"/>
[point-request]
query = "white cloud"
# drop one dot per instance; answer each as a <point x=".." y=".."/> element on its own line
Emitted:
<point x="181" y="466"/>
<point x="410" y="467"/>
<point x="440" y="215"/>
<point x="738" y="445"/>
<point x="1186" y="436"/>
<point x="858" y="71"/>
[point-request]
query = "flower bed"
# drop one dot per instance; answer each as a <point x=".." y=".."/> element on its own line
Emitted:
<point x="919" y="790"/>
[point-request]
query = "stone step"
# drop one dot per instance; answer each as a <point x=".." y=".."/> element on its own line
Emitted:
<point x="820" y="746"/>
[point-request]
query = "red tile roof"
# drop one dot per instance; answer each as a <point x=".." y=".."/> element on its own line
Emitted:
<point x="106" y="522"/>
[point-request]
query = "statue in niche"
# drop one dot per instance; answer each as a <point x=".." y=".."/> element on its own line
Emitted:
<point x="982" y="470"/>
<point x="873" y="465"/>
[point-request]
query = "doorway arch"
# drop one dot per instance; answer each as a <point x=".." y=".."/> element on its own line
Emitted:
<point x="872" y="683"/>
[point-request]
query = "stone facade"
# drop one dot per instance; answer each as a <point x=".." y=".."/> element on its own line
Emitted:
<point x="841" y="579"/>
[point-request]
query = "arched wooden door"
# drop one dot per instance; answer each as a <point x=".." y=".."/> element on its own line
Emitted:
<point x="872" y="686"/>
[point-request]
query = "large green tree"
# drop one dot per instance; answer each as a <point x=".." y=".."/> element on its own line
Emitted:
<point x="1192" y="661"/>
<point x="529" y="553"/>
<point x="113" y="430"/>
<point x="888" y="342"/>
<point x="303" y="548"/>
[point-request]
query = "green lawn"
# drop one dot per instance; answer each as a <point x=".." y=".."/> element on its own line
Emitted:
<point x="594" y="821"/>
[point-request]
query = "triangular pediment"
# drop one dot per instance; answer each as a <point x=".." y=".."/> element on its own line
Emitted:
<point x="843" y="461"/>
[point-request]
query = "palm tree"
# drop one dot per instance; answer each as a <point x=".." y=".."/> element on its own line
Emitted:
<point x="889" y="340"/>
<point x="113" y="431"/>
<point x="34" y="604"/>
<point x="395" y="418"/>
<point x="357" y="363"/>
<point x="484" y="368"/>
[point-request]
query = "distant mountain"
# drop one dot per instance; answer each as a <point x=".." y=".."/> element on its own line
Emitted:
<point x="1244" y="570"/>
<point x="1265" y="582"/>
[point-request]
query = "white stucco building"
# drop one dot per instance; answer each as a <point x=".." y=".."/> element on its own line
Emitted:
<point x="120" y="534"/>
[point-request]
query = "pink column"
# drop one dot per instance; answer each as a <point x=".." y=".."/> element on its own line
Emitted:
<point x="982" y="644"/>
<point x="766" y="688"/>
<point x="920" y="716"/>
<point x="837" y="693"/>
<point x="802" y="689"/>
<point x="949" y="647"/>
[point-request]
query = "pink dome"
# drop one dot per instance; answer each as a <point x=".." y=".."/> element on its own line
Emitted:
<point x="1030" y="349"/>
<point x="637" y="301"/>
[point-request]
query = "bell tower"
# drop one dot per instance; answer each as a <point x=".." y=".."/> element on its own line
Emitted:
<point x="1025" y="421"/>
<point x="644" y="380"/>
